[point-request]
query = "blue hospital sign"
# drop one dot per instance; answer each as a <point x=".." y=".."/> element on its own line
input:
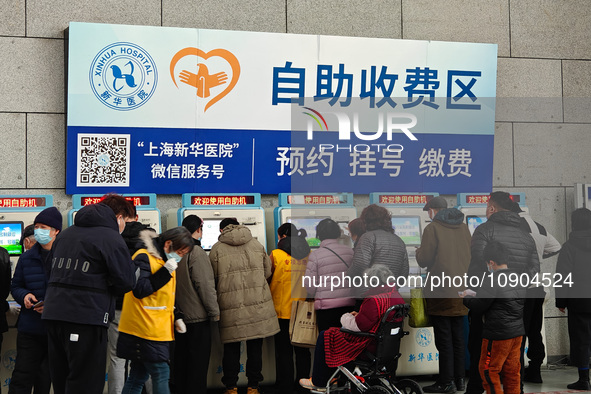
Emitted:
<point x="195" y="110"/>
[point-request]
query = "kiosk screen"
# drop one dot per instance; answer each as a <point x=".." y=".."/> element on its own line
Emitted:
<point x="309" y="224"/>
<point x="211" y="232"/>
<point x="408" y="228"/>
<point x="474" y="221"/>
<point x="10" y="236"/>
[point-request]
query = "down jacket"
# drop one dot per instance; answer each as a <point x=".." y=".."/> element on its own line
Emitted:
<point x="507" y="228"/>
<point x="29" y="277"/>
<point x="502" y="307"/>
<point x="241" y="268"/>
<point x="574" y="264"/>
<point x="323" y="263"/>
<point x="90" y="266"/>
<point x="379" y="247"/>
<point x="445" y="250"/>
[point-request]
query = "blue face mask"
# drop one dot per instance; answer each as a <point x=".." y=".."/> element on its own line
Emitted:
<point x="42" y="236"/>
<point x="174" y="256"/>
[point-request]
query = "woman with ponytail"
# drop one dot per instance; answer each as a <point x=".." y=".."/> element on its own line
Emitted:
<point x="289" y="265"/>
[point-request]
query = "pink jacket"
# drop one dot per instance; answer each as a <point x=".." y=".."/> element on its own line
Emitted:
<point x="326" y="270"/>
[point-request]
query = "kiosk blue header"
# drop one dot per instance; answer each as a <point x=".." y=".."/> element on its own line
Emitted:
<point x="306" y="210"/>
<point x="145" y="205"/>
<point x="473" y="205"/>
<point x="212" y="208"/>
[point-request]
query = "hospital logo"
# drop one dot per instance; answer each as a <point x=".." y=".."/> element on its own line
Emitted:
<point x="9" y="359"/>
<point x="424" y="337"/>
<point x="123" y="76"/>
<point x="209" y="75"/>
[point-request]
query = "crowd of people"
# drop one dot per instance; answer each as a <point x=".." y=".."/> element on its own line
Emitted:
<point x="109" y="287"/>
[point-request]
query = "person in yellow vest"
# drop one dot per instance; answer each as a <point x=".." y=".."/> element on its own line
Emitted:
<point x="147" y="316"/>
<point x="289" y="262"/>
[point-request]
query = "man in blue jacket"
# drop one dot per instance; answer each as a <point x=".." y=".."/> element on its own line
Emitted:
<point x="28" y="289"/>
<point x="90" y="265"/>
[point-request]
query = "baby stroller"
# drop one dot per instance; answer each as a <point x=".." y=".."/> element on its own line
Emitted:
<point x="376" y="373"/>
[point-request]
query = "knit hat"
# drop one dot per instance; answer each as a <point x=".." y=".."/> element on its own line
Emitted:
<point x="50" y="217"/>
<point x="435" y="203"/>
<point x="192" y="223"/>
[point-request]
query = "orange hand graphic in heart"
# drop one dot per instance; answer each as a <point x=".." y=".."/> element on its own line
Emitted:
<point x="203" y="81"/>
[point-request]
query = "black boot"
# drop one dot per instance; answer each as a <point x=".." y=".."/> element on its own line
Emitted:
<point x="532" y="374"/>
<point x="583" y="382"/>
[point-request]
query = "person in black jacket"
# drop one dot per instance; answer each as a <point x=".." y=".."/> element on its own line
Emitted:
<point x="502" y="303"/>
<point x="508" y="228"/>
<point x="574" y="266"/>
<point x="28" y="288"/>
<point x="90" y="265"/>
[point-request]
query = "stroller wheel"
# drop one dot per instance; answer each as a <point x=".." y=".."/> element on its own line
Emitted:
<point x="407" y="386"/>
<point x="377" y="390"/>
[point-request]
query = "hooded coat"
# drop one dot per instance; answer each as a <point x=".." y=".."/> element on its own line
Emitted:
<point x="445" y="250"/>
<point x="322" y="264"/>
<point x="574" y="265"/>
<point x="147" y="318"/>
<point x="90" y="265"/>
<point x="241" y="268"/>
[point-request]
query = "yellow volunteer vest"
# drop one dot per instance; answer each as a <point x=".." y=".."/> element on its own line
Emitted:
<point x="286" y="284"/>
<point x="152" y="317"/>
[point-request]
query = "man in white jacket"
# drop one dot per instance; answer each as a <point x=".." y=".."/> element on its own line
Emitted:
<point x="546" y="246"/>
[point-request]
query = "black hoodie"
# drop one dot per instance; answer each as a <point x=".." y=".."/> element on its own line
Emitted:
<point x="574" y="264"/>
<point x="90" y="264"/>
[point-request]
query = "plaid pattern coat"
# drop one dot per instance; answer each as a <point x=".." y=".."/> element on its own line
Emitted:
<point x="340" y="347"/>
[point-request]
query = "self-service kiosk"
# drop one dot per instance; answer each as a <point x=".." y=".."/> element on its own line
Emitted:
<point x="306" y="210"/>
<point x="145" y="205"/>
<point x="473" y="206"/>
<point x="247" y="210"/>
<point x="16" y="212"/>
<point x="419" y="354"/>
<point x="582" y="195"/>
<point x="212" y="208"/>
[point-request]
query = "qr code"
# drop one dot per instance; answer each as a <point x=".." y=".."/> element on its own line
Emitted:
<point x="103" y="160"/>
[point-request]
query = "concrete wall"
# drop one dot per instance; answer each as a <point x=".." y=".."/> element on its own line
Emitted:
<point x="544" y="76"/>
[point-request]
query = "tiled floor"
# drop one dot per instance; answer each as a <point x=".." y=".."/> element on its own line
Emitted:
<point x="555" y="380"/>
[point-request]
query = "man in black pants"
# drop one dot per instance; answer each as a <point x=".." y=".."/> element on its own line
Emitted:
<point x="89" y="265"/>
